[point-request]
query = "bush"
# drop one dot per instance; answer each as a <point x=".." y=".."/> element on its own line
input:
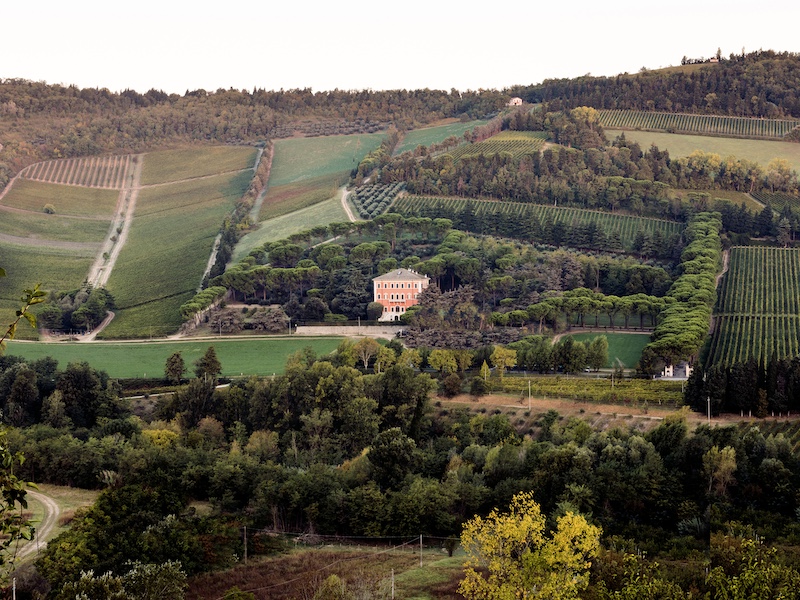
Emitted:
<point x="49" y="209"/>
<point x="451" y="386"/>
<point x="477" y="387"/>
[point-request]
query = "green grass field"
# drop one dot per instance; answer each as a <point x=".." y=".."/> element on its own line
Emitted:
<point x="169" y="245"/>
<point x="736" y="198"/>
<point x="307" y="171"/>
<point x="433" y="135"/>
<point x="297" y="159"/>
<point x="625" y="346"/>
<point x="760" y="151"/>
<point x="41" y="226"/>
<point x="175" y="165"/>
<point x="26" y="266"/>
<point x="246" y="356"/>
<point x="322" y="213"/>
<point x="67" y="200"/>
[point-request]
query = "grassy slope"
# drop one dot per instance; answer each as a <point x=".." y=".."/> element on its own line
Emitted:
<point x="67" y="200"/>
<point x="27" y="266"/>
<point x="434" y="135"/>
<point x="759" y="151"/>
<point x="41" y="226"/>
<point x="171" y="238"/>
<point x="247" y="356"/>
<point x="306" y="171"/>
<point x="322" y="213"/>
<point x="734" y="197"/>
<point x="175" y="165"/>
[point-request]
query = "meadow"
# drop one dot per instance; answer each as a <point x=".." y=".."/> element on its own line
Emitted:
<point x="279" y="228"/>
<point x="175" y="165"/>
<point x="434" y="135"/>
<point x="306" y="171"/>
<point x="70" y="201"/>
<point x="760" y="151"/>
<point x="169" y="244"/>
<point x="623" y="346"/>
<point x="751" y="202"/>
<point x="122" y="360"/>
<point x="26" y="266"/>
<point x="43" y="227"/>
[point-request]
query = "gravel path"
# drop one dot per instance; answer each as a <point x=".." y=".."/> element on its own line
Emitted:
<point x="346" y="206"/>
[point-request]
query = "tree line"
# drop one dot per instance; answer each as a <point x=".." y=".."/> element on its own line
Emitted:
<point x="766" y="84"/>
<point x="329" y="447"/>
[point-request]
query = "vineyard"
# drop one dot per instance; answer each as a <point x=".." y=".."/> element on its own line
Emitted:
<point x="778" y="200"/>
<point x="742" y="127"/>
<point x="371" y="200"/>
<point x="518" y="143"/>
<point x="530" y="221"/>
<point x="98" y="172"/>
<point x="790" y="430"/>
<point x="758" y="308"/>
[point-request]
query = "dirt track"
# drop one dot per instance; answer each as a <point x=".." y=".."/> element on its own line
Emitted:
<point x="45" y="528"/>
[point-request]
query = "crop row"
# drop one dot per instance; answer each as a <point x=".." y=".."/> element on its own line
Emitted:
<point x="98" y="171"/>
<point x="758" y="306"/>
<point x="515" y="143"/>
<point x="778" y="200"/>
<point x="527" y="219"/>
<point x="373" y="199"/>
<point x="706" y="124"/>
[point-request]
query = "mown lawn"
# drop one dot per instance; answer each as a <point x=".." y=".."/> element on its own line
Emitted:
<point x="175" y="165"/>
<point x="239" y="357"/>
<point x="760" y="151"/>
<point x="67" y="200"/>
<point x="625" y="346"/>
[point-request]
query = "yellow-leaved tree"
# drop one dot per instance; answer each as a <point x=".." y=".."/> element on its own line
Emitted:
<point x="511" y="556"/>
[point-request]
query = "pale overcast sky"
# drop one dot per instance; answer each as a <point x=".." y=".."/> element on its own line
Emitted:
<point x="355" y="44"/>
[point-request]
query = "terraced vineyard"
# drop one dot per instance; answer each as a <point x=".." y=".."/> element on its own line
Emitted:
<point x="523" y="213"/>
<point x="758" y="308"/>
<point x="743" y="127"/>
<point x="99" y="171"/>
<point x="778" y="200"/>
<point x="517" y="143"/>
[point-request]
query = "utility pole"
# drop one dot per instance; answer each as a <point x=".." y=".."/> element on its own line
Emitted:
<point x="245" y="544"/>
<point x="420" y="549"/>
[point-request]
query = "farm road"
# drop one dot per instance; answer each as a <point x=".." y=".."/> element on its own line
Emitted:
<point x="45" y="529"/>
<point x="126" y="203"/>
<point x="346" y="206"/>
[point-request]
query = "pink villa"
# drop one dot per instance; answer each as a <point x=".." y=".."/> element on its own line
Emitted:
<point x="397" y="291"/>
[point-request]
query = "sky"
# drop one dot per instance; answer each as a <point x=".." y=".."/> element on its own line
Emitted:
<point x="175" y="46"/>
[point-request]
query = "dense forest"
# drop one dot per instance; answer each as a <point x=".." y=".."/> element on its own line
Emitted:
<point x="756" y="84"/>
<point x="329" y="448"/>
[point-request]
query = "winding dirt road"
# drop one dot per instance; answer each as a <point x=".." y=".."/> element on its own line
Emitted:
<point x="346" y="206"/>
<point x="44" y="529"/>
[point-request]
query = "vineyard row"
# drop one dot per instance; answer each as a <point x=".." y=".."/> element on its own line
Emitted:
<point x="706" y="124"/>
<point x="100" y="172"/>
<point x="758" y="308"/>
